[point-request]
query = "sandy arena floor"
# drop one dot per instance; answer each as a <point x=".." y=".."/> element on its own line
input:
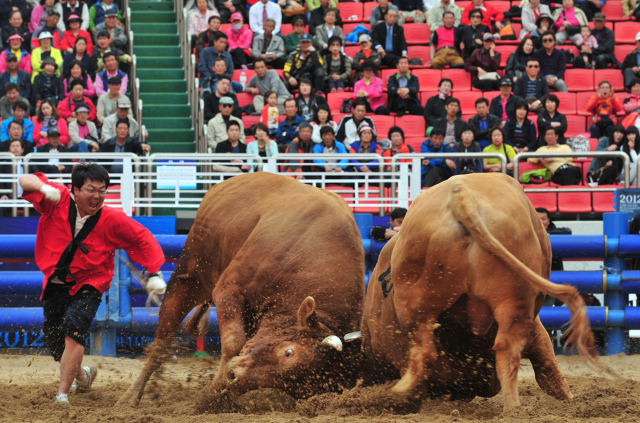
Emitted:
<point x="29" y="384"/>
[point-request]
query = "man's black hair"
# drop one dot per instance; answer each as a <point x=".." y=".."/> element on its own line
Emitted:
<point x="221" y="34"/>
<point x="360" y="102"/>
<point x="125" y="121"/>
<point x="450" y="100"/>
<point x="327" y="129"/>
<point x="214" y="17"/>
<point x="104" y="34"/>
<point x="11" y="86"/>
<point x="233" y="123"/>
<point x="437" y="131"/>
<point x="482" y="100"/>
<point x="21" y="105"/>
<point x="554" y="129"/>
<point x="83" y="171"/>
<point x="398" y="213"/>
<point x="76" y="81"/>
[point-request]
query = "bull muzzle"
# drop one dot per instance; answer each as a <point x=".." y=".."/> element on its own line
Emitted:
<point x="333" y="342"/>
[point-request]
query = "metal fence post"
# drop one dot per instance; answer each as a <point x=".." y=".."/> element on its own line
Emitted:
<point x="615" y="224"/>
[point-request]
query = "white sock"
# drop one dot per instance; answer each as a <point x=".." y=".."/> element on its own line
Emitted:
<point x="62" y="396"/>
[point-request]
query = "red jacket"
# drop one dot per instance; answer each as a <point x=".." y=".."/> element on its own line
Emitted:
<point x="604" y="107"/>
<point x="115" y="230"/>
<point x="40" y="140"/>
<point x="67" y="106"/>
<point x="69" y="41"/>
<point x="490" y="14"/>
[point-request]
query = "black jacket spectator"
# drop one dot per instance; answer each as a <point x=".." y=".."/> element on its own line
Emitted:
<point x="434" y="110"/>
<point x="483" y="134"/>
<point x="204" y="40"/>
<point x="544" y="122"/>
<point x="131" y="145"/>
<point x="470" y="35"/>
<point x="496" y="107"/>
<point x="604" y="53"/>
<point x="24" y="81"/>
<point x="316" y="18"/>
<point x="379" y="37"/>
<point x="42" y="165"/>
<point x="542" y="88"/>
<point x="23" y="31"/>
<point x="459" y="125"/>
<point x="225" y="14"/>
<point x="397" y="104"/>
<point x="212" y="108"/>
<point x="556" y="64"/>
<point x="516" y="64"/>
<point x="48" y="88"/>
<point x="312" y="105"/>
<point x="528" y="132"/>
<point x="225" y="147"/>
<point x="7" y="6"/>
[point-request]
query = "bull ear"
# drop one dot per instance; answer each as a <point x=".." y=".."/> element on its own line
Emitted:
<point x="307" y="313"/>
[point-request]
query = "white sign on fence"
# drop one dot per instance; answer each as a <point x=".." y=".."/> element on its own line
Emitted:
<point x="169" y="172"/>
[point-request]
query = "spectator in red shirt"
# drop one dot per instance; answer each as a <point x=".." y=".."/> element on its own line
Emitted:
<point x="73" y="33"/>
<point x="75" y="280"/>
<point x="76" y="98"/>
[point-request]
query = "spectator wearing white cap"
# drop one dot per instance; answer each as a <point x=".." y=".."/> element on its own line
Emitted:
<point x="53" y="25"/>
<point x="483" y="64"/>
<point x="123" y="106"/>
<point x="631" y="65"/>
<point x="45" y="50"/>
<point x="110" y="25"/>
<point x="217" y="127"/>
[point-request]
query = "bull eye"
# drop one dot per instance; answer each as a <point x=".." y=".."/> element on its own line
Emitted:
<point x="288" y="353"/>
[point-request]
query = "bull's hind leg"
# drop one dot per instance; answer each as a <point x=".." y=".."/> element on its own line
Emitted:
<point x="540" y="352"/>
<point x="514" y="327"/>
<point x="182" y="296"/>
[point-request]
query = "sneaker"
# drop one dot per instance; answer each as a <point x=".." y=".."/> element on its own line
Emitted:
<point x="61" y="399"/>
<point x="91" y="373"/>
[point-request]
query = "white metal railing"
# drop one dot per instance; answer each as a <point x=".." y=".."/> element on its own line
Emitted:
<point x="574" y="155"/>
<point x="8" y="182"/>
<point x="127" y="25"/>
<point x="201" y="127"/>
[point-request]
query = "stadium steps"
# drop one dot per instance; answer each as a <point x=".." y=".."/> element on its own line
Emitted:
<point x="163" y="87"/>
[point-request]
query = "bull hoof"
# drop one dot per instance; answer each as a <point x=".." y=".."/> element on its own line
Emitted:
<point x="128" y="399"/>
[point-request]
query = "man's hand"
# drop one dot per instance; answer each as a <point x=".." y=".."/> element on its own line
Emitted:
<point x="60" y="168"/>
<point x="155" y="287"/>
<point x="609" y="163"/>
<point x="4" y="198"/>
<point x="253" y="90"/>
<point x="481" y="71"/>
<point x="299" y="177"/>
<point x="403" y="92"/>
<point x="50" y="193"/>
<point x="492" y="51"/>
<point x="365" y="169"/>
<point x="635" y="69"/>
<point x="327" y="168"/>
<point x="338" y="169"/>
<point x="535" y="105"/>
<point x="382" y="52"/>
<point x="450" y="163"/>
<point x="612" y="147"/>
<point x="335" y="76"/>
<point x="311" y="48"/>
<point x="425" y="162"/>
<point x="498" y="25"/>
<point x="551" y="81"/>
<point x="146" y="147"/>
<point x="597" y="3"/>
<point x="547" y="160"/>
<point x="293" y="82"/>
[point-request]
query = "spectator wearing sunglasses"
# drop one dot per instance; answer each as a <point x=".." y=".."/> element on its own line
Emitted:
<point x="532" y="87"/>
<point x="553" y="62"/>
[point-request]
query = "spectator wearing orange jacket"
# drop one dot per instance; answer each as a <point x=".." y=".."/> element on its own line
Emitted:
<point x="604" y="106"/>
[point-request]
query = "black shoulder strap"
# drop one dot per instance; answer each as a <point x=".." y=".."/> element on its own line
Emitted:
<point x="62" y="267"/>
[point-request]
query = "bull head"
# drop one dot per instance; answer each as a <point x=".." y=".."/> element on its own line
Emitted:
<point x="307" y="319"/>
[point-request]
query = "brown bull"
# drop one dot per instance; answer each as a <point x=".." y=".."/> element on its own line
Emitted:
<point x="453" y="303"/>
<point x="284" y="265"/>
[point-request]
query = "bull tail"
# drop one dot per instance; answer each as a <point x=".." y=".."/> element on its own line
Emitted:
<point x="465" y="209"/>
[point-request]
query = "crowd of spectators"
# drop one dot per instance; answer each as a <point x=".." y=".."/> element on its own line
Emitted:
<point x="63" y="79"/>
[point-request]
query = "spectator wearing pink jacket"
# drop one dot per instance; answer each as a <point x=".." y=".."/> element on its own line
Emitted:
<point x="240" y="41"/>
<point x="371" y="87"/>
<point x="24" y="58"/>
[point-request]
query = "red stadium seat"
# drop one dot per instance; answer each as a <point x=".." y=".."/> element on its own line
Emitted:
<point x="419" y="52"/>
<point x="593" y="144"/>
<point x="349" y="9"/>
<point x="571" y="48"/>
<point x="603" y="202"/>
<point x="413" y="126"/>
<point x="368" y="7"/>
<point x="614" y="76"/>
<point x="415" y="142"/>
<point x="607" y="24"/>
<point x="385" y="74"/>
<point x="417" y="33"/>
<point x="613" y="11"/>
<point x="626" y="32"/>
<point x="429" y="78"/>
<point x="351" y="50"/>
<point x="581" y="103"/>
<point x="500" y="6"/>
<point x="463" y="4"/>
<point x="579" y="79"/>
<point x="249" y="121"/>
<point x="461" y="79"/>
<point x="349" y="27"/>
<point x="244" y="99"/>
<point x="575" y="125"/>
<point x="467" y="100"/>
<point x="249" y="72"/>
<point x="567" y="103"/>
<point x="623" y="50"/>
<point x="334" y="100"/>
<point x="548" y="200"/>
<point x="505" y="51"/>
<point x="383" y="124"/>
<point x="574" y="202"/>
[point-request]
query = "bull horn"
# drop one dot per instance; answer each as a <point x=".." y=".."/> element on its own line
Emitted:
<point x="333" y="342"/>
<point x="350" y="337"/>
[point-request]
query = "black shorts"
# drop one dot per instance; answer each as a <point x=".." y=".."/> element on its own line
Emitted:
<point x="68" y="315"/>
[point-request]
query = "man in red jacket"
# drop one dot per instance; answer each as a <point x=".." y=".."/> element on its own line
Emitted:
<point x="75" y="248"/>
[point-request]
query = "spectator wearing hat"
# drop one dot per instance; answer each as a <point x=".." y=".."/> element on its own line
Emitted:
<point x="483" y="64"/>
<point x="532" y="87"/>
<point x="269" y="47"/>
<point x="123" y="106"/>
<point x="217" y="127"/>
<point x="53" y="146"/>
<point x="40" y="16"/>
<point x="451" y="123"/>
<point x="199" y="18"/>
<point x="260" y="12"/>
<point x="101" y="83"/>
<point x="317" y="12"/>
<point x="603" y="54"/>
<point x="473" y="35"/>
<point x="75" y="98"/>
<point x="304" y="63"/>
<point x="212" y="99"/>
<point x="21" y="117"/>
<point x="445" y="42"/>
<point x="266" y="80"/>
<point x="292" y="41"/>
<point x="107" y="101"/>
<point x="504" y="105"/>
<point x="380" y="11"/>
<point x="206" y="38"/>
<point x="48" y="85"/>
<point x="437" y="13"/>
<point x="366" y="144"/>
<point x="79" y="54"/>
<point x="631" y="64"/>
<point x="47" y="117"/>
<point x="83" y="134"/>
<point x="7" y="7"/>
<point x="13" y="73"/>
<point x="370" y="88"/>
<point x="403" y="91"/>
<point x="52" y="27"/>
<point x="74" y="32"/>
<point x="97" y="13"/>
<point x="11" y="96"/>
<point x="366" y="54"/>
<point x="16" y="26"/>
<point x="104" y="46"/>
<point x="218" y="51"/>
<point x="76" y="7"/>
<point x="553" y="62"/>
<point x="388" y="39"/>
<point x="46" y="50"/>
<point x="122" y="142"/>
<point x="327" y="31"/>
<point x="337" y="67"/>
<point x="544" y="24"/>
<point x="110" y="24"/>
<point x="240" y="41"/>
<point x="531" y="12"/>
